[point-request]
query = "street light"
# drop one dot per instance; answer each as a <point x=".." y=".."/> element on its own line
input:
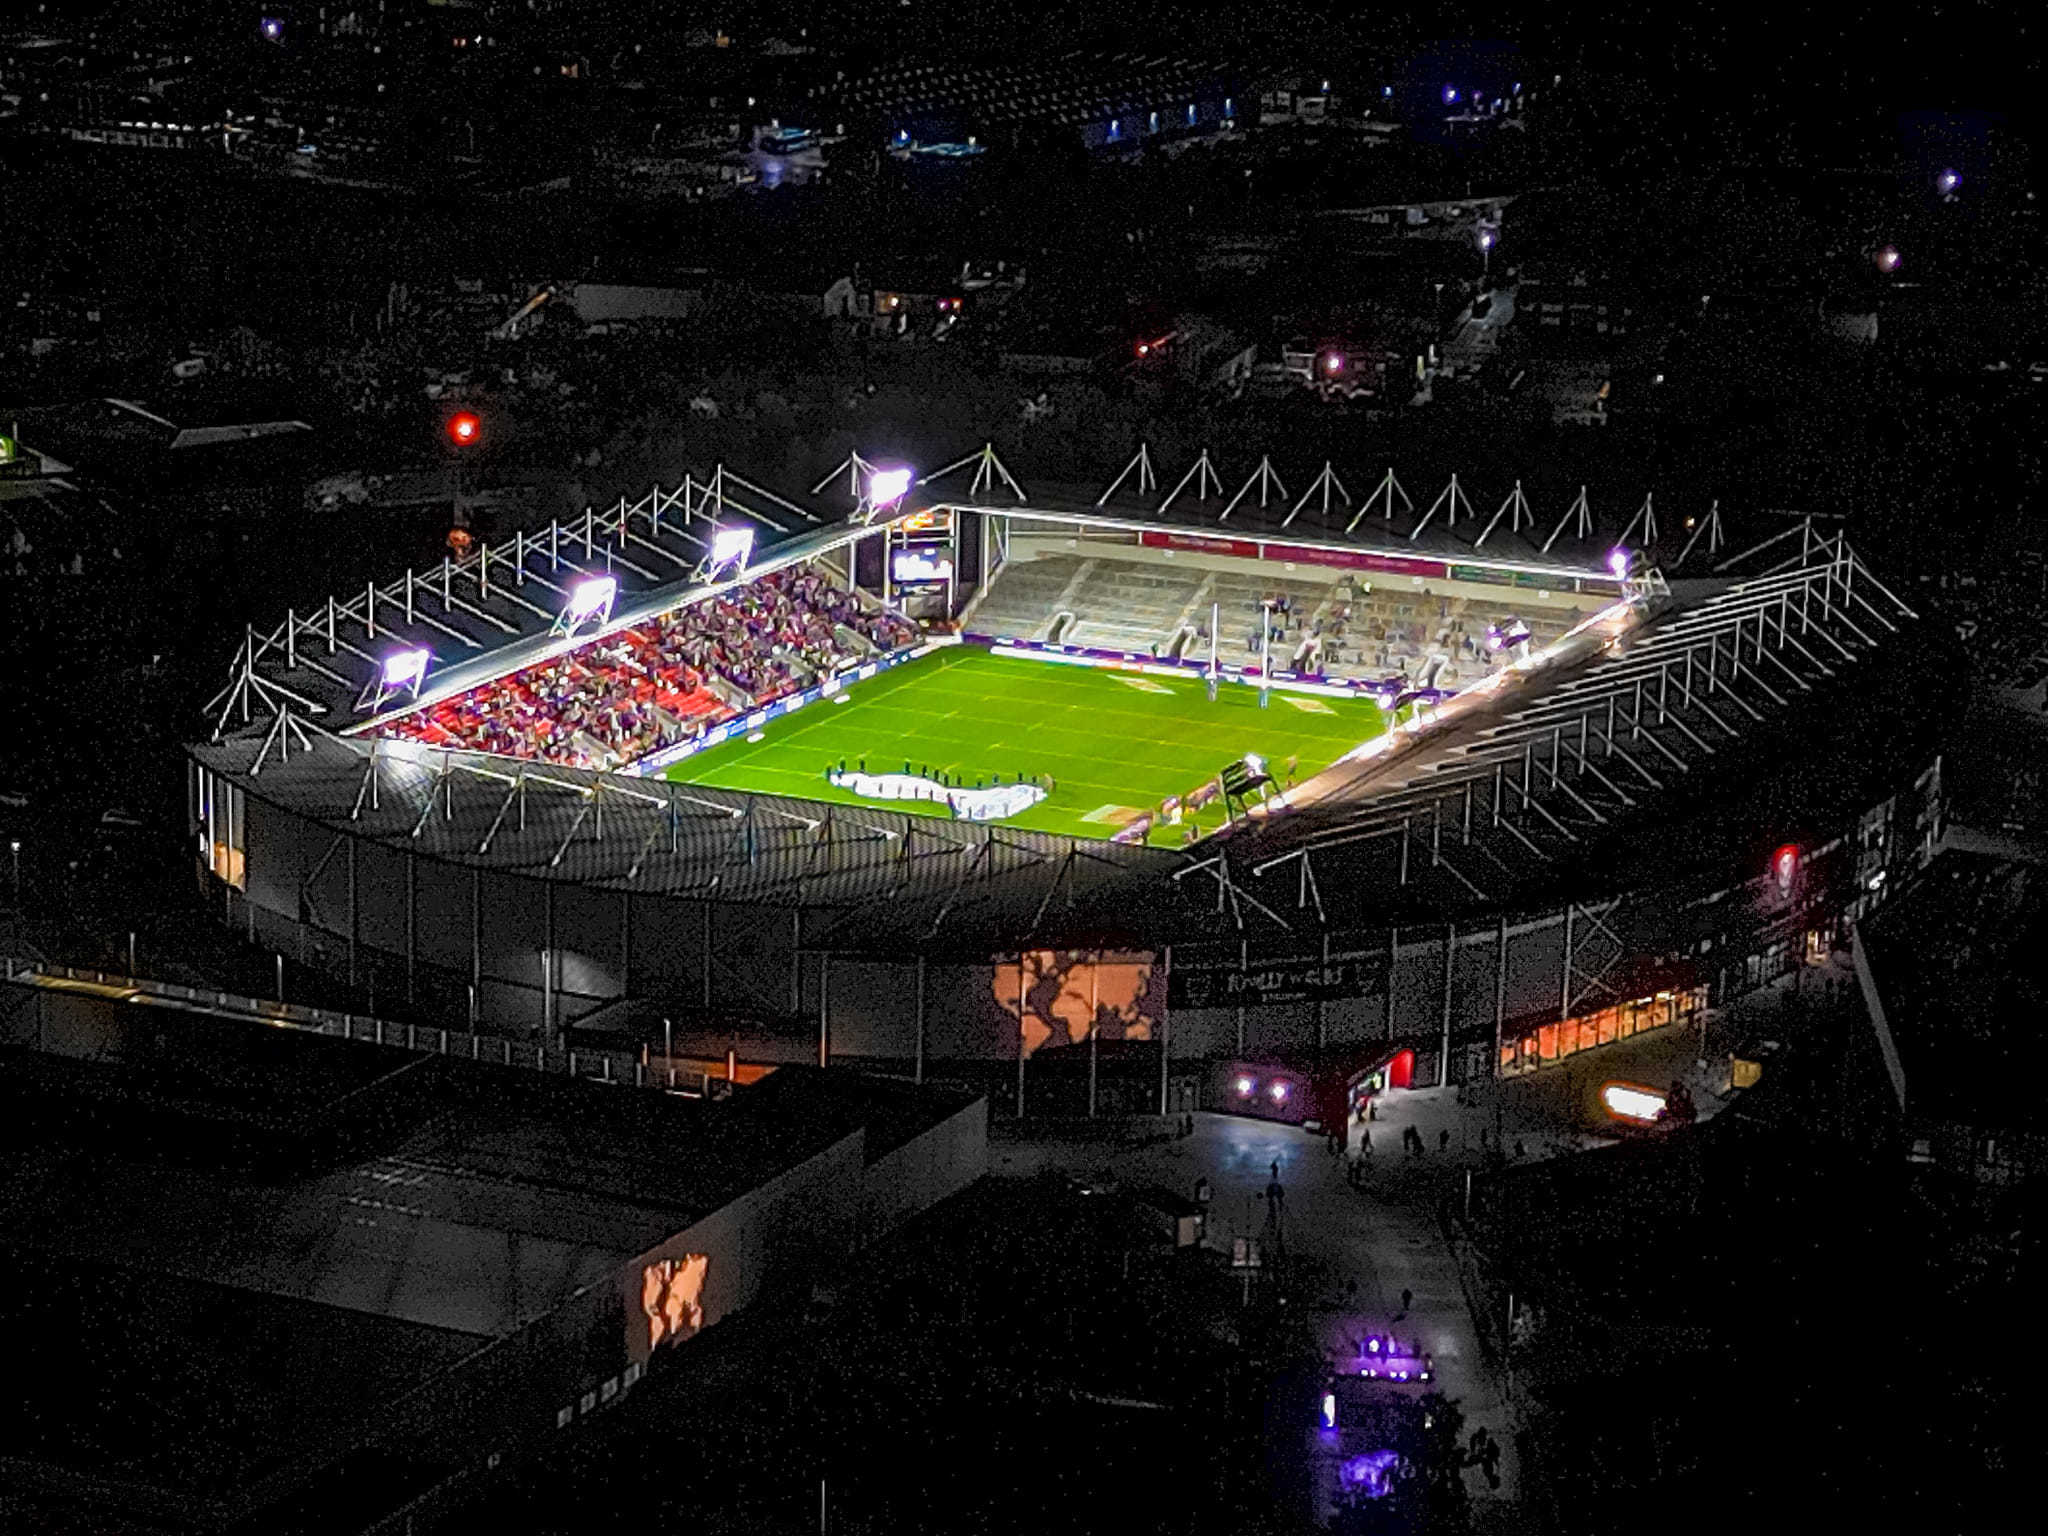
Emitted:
<point x="1485" y="252"/>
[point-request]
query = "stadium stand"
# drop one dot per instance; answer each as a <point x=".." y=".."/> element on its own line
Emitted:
<point x="1025" y="597"/>
<point x="1362" y="631"/>
<point x="1125" y="606"/>
<point x="667" y="679"/>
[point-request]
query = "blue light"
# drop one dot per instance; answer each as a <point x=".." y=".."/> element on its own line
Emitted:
<point x="1191" y="111"/>
<point x="1386" y="90"/>
<point x="1450" y="94"/>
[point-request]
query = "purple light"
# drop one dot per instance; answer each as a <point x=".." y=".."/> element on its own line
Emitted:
<point x="1333" y="363"/>
<point x="1947" y="182"/>
<point x="1617" y="562"/>
<point x="1279" y="1091"/>
<point x="886" y="487"/>
<point x="1244" y="1087"/>
<point x="1371" y="1474"/>
<point x="273" y="28"/>
<point x="404" y="669"/>
<point x="1450" y="94"/>
<point x="592" y="596"/>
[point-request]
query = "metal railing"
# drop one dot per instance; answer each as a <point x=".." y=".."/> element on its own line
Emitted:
<point x="500" y="1050"/>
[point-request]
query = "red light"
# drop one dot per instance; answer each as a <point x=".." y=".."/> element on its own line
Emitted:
<point x="1144" y="347"/>
<point x="465" y="427"/>
<point x="1785" y="865"/>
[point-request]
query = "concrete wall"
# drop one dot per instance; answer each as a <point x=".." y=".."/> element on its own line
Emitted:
<point x="920" y="1173"/>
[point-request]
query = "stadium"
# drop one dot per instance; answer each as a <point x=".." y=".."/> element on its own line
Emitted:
<point x="931" y="771"/>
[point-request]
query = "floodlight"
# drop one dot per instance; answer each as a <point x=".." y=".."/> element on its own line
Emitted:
<point x="1617" y="562"/>
<point x="1947" y="182"/>
<point x="1279" y="1091"/>
<point x="591" y="597"/>
<point x="732" y="546"/>
<point x="888" y="486"/>
<point x="1244" y="1087"/>
<point x="405" y="669"/>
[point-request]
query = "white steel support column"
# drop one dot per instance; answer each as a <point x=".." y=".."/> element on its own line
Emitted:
<point x="1020" y="1034"/>
<point x="917" y="1072"/>
<point x="1443" y="1070"/>
<point x="1166" y="1030"/>
<point x="824" y="1007"/>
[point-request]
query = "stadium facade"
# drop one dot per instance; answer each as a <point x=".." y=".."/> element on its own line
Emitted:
<point x="1695" y="765"/>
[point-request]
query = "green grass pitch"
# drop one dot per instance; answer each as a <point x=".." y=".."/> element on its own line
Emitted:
<point x="1113" y="743"/>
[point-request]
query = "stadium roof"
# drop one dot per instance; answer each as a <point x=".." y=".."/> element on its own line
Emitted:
<point x="1576" y="767"/>
<point x="492" y="611"/>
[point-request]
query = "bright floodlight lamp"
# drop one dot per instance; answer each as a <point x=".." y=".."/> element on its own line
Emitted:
<point x="1486" y="239"/>
<point x="1244" y="1087"/>
<point x="1333" y="362"/>
<point x="593" y="596"/>
<point x="731" y="549"/>
<point x="1947" y="182"/>
<point x="1450" y="94"/>
<point x="590" y="600"/>
<point x="406" y="669"/>
<point x="401" y="672"/>
<point x="1279" y="1091"/>
<point x="884" y="492"/>
<point x="1617" y="562"/>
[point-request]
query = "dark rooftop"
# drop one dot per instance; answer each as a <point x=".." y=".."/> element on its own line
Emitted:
<point x="1956" y="959"/>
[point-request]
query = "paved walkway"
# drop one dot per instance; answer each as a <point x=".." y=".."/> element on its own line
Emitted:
<point x="1386" y="1241"/>
<point x="1383" y="1236"/>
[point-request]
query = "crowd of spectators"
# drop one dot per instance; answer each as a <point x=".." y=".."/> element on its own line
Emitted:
<point x="668" y="679"/>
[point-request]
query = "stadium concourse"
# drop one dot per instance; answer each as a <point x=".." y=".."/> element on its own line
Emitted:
<point x="497" y="789"/>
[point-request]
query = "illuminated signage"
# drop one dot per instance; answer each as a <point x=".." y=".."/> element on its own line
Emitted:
<point x="915" y="565"/>
<point x="1627" y="1101"/>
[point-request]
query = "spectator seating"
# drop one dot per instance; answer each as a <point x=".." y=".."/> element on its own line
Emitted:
<point x="668" y="678"/>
